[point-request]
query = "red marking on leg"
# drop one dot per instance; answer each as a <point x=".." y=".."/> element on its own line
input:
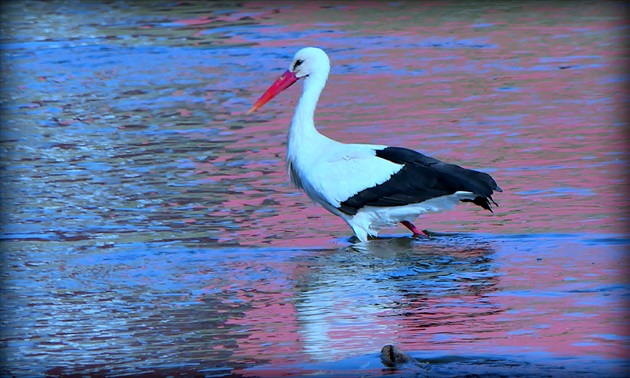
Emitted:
<point x="414" y="229"/>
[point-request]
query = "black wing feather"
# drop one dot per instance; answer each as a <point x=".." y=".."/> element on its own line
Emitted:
<point x="421" y="179"/>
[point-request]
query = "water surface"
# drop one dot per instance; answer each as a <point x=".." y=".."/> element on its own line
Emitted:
<point x="149" y="226"/>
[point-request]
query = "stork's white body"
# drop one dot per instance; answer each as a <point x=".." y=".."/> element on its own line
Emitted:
<point x="338" y="175"/>
<point x="330" y="172"/>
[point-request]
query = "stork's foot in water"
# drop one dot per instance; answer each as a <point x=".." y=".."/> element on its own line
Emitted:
<point x="417" y="233"/>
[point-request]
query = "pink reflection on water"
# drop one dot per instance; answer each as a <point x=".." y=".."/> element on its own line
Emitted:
<point x="271" y="320"/>
<point x="551" y="302"/>
<point x="550" y="136"/>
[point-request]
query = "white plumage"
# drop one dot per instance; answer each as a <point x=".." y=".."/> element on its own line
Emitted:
<point x="369" y="186"/>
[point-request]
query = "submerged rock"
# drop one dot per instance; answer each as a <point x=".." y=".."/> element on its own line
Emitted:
<point x="392" y="356"/>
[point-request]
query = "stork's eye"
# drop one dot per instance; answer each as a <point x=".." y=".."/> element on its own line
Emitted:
<point x="297" y="63"/>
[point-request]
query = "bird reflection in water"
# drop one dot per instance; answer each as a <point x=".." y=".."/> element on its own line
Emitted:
<point x="364" y="296"/>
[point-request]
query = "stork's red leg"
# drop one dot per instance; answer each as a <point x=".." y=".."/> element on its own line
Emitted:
<point x="414" y="229"/>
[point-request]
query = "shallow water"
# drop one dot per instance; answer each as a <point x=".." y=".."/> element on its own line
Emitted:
<point x="149" y="227"/>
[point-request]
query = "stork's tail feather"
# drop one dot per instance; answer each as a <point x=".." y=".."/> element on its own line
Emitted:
<point x="483" y="202"/>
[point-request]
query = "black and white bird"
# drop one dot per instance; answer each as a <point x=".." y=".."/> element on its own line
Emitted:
<point x="369" y="186"/>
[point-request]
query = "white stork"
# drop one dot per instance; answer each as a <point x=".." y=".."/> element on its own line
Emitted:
<point x="368" y="186"/>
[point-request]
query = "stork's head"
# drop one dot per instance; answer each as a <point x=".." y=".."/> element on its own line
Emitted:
<point x="308" y="62"/>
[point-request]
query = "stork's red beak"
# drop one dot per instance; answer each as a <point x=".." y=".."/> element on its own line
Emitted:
<point x="285" y="81"/>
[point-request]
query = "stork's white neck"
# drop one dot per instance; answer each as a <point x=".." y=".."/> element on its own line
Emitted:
<point x="303" y="135"/>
